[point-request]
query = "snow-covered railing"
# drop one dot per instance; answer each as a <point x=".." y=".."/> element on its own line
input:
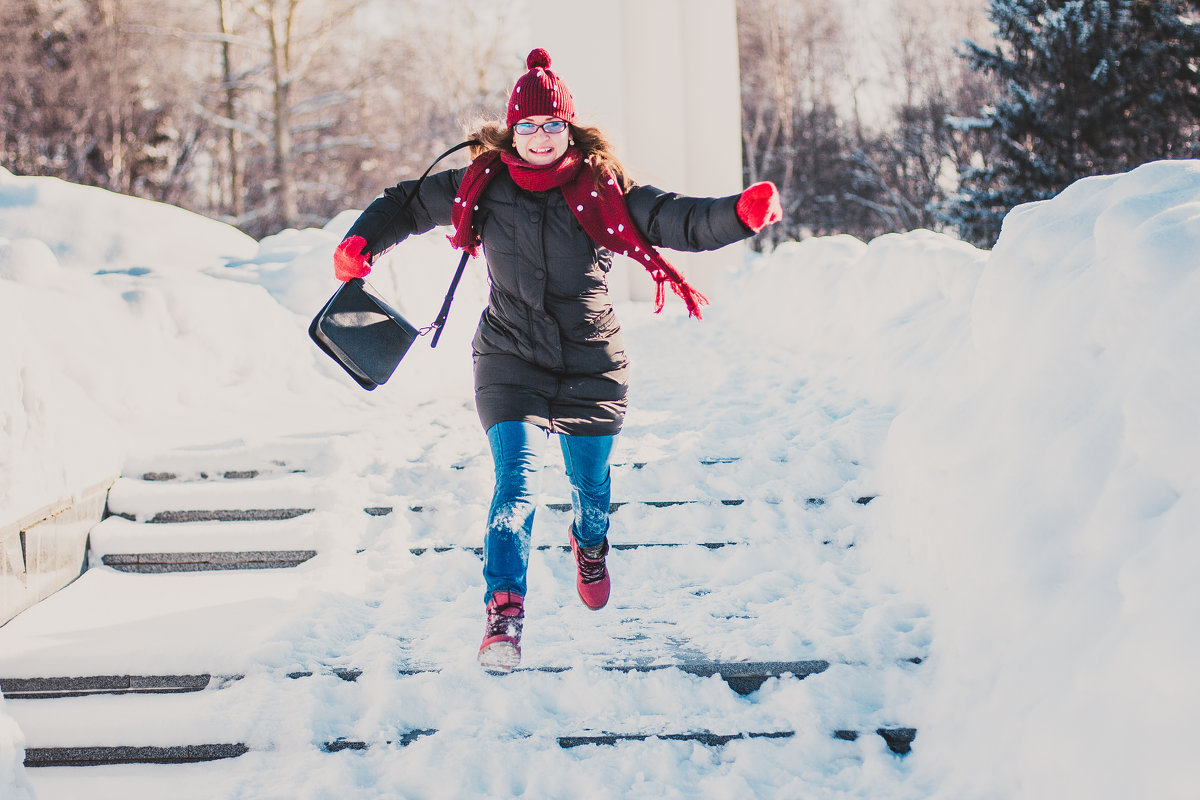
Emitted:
<point x="44" y="551"/>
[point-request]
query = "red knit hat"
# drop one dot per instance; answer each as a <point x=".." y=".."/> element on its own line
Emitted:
<point x="539" y="91"/>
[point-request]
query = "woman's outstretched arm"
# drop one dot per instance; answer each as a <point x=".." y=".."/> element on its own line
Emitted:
<point x="686" y="223"/>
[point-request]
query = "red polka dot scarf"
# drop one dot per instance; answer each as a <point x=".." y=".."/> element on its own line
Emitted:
<point x="600" y="209"/>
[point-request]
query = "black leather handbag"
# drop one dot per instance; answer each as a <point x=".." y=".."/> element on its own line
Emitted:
<point x="365" y="335"/>
<point x="362" y="333"/>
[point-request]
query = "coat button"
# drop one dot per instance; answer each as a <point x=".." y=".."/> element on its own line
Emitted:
<point x="535" y="216"/>
<point x="537" y="273"/>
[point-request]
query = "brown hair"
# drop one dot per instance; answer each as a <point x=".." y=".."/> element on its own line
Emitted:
<point x="589" y="140"/>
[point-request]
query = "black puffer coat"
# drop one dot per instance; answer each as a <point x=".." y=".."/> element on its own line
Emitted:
<point x="548" y="349"/>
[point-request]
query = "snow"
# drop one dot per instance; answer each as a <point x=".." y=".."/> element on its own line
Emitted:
<point x="1059" y="533"/>
<point x="1025" y="417"/>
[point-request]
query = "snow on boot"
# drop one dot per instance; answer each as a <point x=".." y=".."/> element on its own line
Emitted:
<point x="501" y="648"/>
<point x="591" y="579"/>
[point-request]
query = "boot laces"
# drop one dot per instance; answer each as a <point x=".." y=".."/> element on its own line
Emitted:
<point x="590" y="561"/>
<point x="505" y="619"/>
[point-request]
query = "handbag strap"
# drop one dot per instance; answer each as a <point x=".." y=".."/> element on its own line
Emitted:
<point x="440" y="322"/>
<point x="429" y="169"/>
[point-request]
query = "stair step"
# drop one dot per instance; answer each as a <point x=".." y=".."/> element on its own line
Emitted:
<point x="382" y="511"/>
<point x="186" y="561"/>
<point x="613" y="507"/>
<point x="132" y="728"/>
<point x="706" y="738"/>
<point x="229" y="461"/>
<point x="566" y="548"/>
<point x="815" y="502"/>
<point x="279" y="497"/>
<point x="707" y="461"/>
<point x="742" y="677"/>
<point x="226" y="475"/>
<point x="111" y="755"/>
<point x="109" y="622"/>
<point x="146" y="563"/>
<point x="899" y="741"/>
<point x="226" y="515"/>
<point x="267" y="514"/>
<point x="49" y="688"/>
<point x="251" y="513"/>
<point x="196" y="515"/>
<point x="117" y="536"/>
<point x="206" y="471"/>
<point x="193" y="468"/>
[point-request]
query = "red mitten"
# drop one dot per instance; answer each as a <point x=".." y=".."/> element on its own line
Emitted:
<point x="759" y="206"/>
<point x="349" y="261"/>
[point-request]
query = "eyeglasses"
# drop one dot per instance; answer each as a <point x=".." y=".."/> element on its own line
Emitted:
<point x="551" y="126"/>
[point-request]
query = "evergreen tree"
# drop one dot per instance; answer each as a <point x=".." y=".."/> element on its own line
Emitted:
<point x="1087" y="87"/>
<point x="1167" y="106"/>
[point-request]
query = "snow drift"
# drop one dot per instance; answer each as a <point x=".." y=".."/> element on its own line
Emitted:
<point x="1046" y="492"/>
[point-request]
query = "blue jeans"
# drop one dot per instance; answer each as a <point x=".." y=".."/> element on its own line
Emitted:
<point x="518" y="450"/>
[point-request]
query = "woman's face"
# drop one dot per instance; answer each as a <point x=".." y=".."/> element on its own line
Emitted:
<point x="540" y="147"/>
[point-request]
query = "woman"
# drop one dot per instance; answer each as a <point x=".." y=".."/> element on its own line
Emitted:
<point x="550" y="204"/>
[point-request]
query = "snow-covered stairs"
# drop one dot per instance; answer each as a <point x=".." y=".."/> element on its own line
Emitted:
<point x="226" y="513"/>
<point x="230" y="555"/>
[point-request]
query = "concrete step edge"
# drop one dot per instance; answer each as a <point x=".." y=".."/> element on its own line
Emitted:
<point x="899" y="741"/>
<point x="158" y="563"/>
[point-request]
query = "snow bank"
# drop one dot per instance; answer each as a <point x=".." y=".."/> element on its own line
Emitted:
<point x="1045" y="493"/>
<point x="106" y="362"/>
<point x="90" y="229"/>
<point x="140" y="327"/>
<point x="875" y="319"/>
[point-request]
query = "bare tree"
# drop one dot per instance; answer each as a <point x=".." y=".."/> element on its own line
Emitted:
<point x="265" y="113"/>
<point x="850" y="121"/>
<point x="315" y="101"/>
<point x="902" y="172"/>
<point x="84" y="100"/>
<point x="792" y="132"/>
<point x="233" y="194"/>
<point x="790" y="56"/>
<point x="272" y="82"/>
<point x="428" y="95"/>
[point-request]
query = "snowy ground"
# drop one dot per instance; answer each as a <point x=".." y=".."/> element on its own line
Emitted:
<point x="1025" y="417"/>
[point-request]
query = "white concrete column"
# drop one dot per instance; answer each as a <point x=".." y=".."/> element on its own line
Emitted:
<point x="661" y="78"/>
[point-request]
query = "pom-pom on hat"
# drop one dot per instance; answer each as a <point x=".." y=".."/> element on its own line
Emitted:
<point x="539" y="91"/>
